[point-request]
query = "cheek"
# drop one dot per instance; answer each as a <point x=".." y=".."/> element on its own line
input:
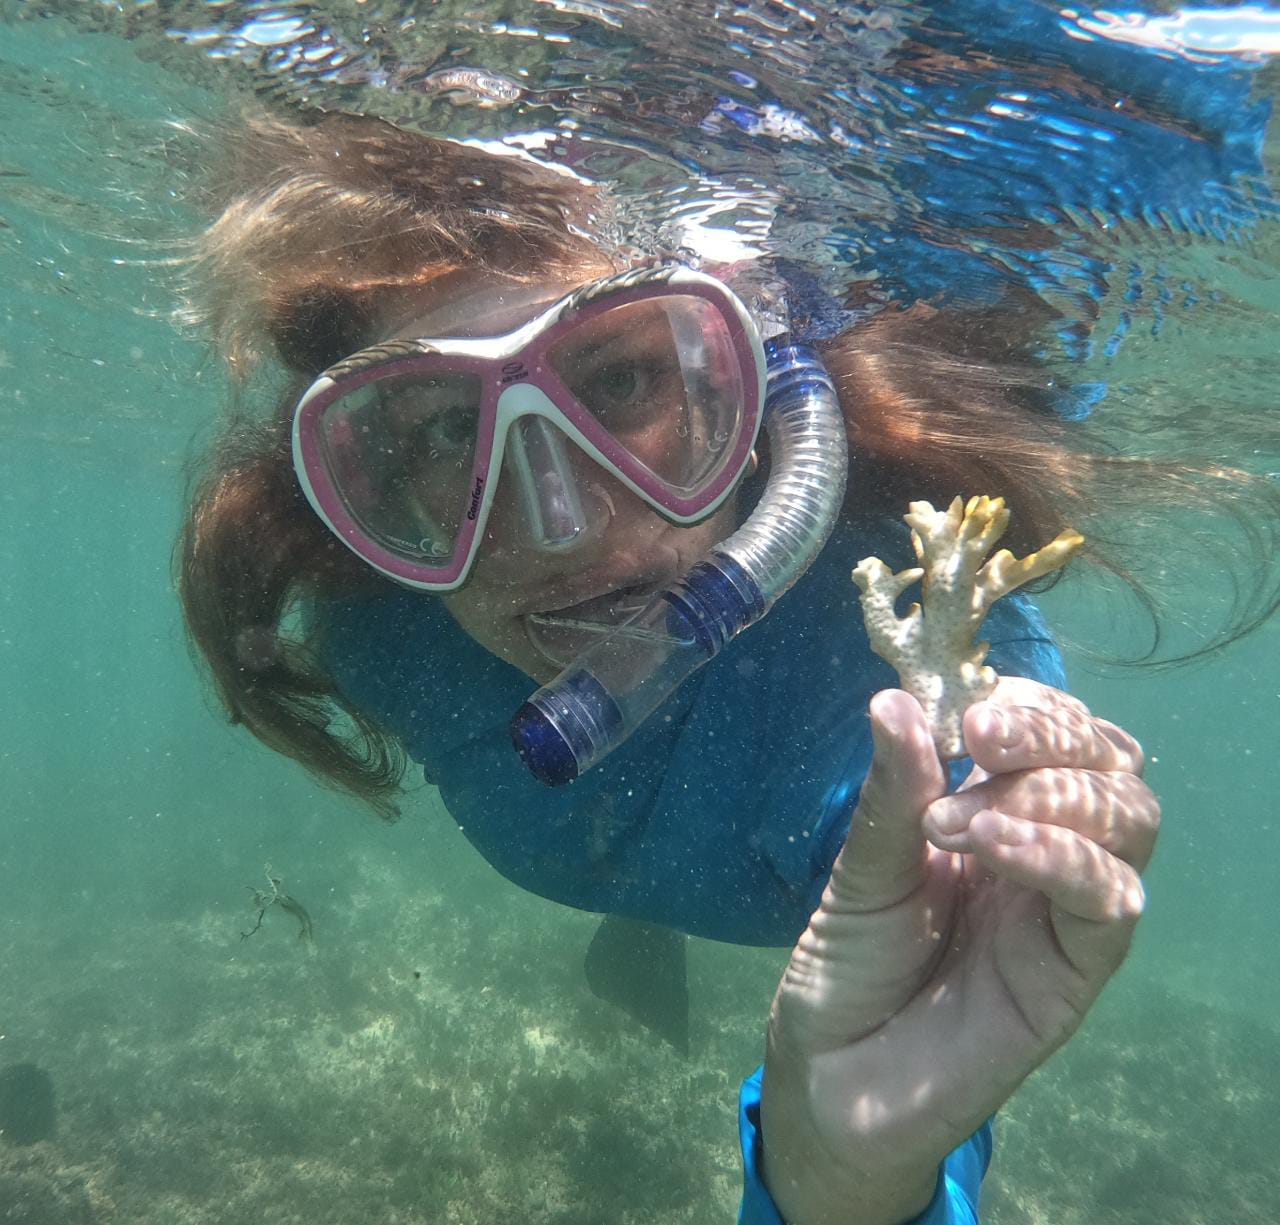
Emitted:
<point x="484" y="614"/>
<point x="490" y="621"/>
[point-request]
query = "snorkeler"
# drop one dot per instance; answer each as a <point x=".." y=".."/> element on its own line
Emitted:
<point x="512" y="455"/>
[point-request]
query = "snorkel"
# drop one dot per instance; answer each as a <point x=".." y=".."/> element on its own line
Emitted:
<point x="437" y="419"/>
<point x="591" y="708"/>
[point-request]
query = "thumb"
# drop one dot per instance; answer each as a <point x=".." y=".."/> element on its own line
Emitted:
<point x="883" y="857"/>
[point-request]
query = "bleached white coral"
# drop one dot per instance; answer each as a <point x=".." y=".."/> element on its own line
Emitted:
<point x="933" y="649"/>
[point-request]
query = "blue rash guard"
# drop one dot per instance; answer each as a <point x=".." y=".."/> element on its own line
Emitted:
<point x="720" y="817"/>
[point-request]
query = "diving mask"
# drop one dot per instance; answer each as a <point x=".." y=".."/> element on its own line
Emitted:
<point x="656" y="374"/>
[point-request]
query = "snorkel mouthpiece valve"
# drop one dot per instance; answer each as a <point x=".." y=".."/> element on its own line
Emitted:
<point x="713" y="603"/>
<point x="574" y="720"/>
<point x="580" y="717"/>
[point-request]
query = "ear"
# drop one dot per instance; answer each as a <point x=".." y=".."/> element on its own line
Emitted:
<point x="315" y="325"/>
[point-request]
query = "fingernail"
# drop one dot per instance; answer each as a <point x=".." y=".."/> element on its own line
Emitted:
<point x="886" y="724"/>
<point x="947" y="818"/>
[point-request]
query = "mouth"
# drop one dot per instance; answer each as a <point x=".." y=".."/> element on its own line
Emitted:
<point x="560" y="635"/>
<point x="609" y="605"/>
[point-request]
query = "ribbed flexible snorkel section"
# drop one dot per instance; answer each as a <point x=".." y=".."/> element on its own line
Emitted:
<point x="608" y="691"/>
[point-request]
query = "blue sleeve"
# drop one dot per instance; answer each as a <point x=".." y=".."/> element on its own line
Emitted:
<point x="955" y="1201"/>
<point x="1021" y="644"/>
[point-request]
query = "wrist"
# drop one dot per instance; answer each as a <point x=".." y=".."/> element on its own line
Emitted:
<point x="865" y="1179"/>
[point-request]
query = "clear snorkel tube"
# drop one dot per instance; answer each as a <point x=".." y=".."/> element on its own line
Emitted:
<point x="580" y="717"/>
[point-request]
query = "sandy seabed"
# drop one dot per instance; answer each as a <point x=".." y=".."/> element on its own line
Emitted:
<point x="421" y="1063"/>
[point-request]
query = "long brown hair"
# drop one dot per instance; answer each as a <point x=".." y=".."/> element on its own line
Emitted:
<point x="320" y="219"/>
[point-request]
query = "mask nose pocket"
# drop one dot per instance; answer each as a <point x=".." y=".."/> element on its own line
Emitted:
<point x="539" y="461"/>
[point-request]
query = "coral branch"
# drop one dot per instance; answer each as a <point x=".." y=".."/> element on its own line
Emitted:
<point x="933" y="650"/>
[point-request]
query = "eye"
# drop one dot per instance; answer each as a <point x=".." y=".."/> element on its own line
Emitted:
<point x="432" y="418"/>
<point x="618" y="382"/>
<point x="622" y="393"/>
<point x="444" y="432"/>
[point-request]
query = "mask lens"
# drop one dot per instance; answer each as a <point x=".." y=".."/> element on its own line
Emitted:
<point x="400" y="452"/>
<point x="662" y="377"/>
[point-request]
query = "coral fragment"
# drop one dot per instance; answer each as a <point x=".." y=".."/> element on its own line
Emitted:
<point x="933" y="648"/>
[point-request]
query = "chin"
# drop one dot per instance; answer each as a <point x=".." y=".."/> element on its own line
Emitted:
<point x="514" y="646"/>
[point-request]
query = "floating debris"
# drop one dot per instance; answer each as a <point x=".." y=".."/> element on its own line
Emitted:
<point x="264" y="899"/>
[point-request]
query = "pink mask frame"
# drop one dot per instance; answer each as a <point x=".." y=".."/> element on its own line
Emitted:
<point x="517" y="381"/>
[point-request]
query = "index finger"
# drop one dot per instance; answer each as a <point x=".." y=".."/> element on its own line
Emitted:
<point x="1001" y="739"/>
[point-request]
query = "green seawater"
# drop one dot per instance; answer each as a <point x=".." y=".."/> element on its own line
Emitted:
<point x="435" y="1055"/>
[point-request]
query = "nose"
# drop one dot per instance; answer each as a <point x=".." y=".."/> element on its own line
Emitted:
<point x="553" y="515"/>
<point x="538" y="463"/>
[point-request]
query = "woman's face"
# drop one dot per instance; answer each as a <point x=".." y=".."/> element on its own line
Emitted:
<point x="626" y="550"/>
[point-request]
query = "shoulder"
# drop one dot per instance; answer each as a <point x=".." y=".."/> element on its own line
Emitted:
<point x="1021" y="642"/>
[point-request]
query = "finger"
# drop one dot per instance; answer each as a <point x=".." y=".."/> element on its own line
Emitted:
<point x="883" y="857"/>
<point x="1097" y="897"/>
<point x="1071" y="871"/>
<point x="1119" y="812"/>
<point x="1019" y="691"/>
<point x="1001" y="738"/>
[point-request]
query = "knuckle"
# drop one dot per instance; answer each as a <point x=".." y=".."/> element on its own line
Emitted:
<point x="1133" y="897"/>
<point x="1137" y="800"/>
<point x="1034" y="695"/>
<point x="1064" y="732"/>
<point x="1119" y="742"/>
<point x="1156" y="813"/>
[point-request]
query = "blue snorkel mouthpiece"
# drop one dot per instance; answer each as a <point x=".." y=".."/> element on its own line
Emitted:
<point x="580" y="717"/>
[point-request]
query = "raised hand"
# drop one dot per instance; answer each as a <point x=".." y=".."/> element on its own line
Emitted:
<point x="960" y="941"/>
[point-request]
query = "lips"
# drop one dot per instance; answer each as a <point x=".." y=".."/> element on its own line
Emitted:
<point x="567" y="594"/>
<point x="613" y="606"/>
<point x="560" y="635"/>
